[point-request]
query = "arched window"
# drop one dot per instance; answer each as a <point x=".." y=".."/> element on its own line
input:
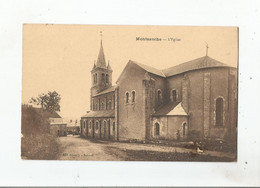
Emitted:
<point x="126" y="97"/>
<point x="114" y="101"/>
<point x="96" y="125"/>
<point x="159" y="96"/>
<point x="90" y="124"/>
<point x="107" y="78"/>
<point x="105" y="127"/>
<point x="114" y="126"/>
<point x="84" y="124"/>
<point x="184" y="127"/>
<point x="96" y="107"/>
<point x="174" y="95"/>
<point x="102" y="106"/>
<point x="157" y="129"/>
<point x="109" y="105"/>
<point x="219" y="111"/>
<point x="103" y="77"/>
<point x="133" y="96"/>
<point x="95" y="78"/>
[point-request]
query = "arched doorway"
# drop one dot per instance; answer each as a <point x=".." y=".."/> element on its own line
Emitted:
<point x="156" y="129"/>
<point x="184" y="130"/>
<point x="100" y="129"/>
<point x="105" y="130"/>
<point x="114" y="129"/>
<point x="108" y="129"/>
<point x="87" y="128"/>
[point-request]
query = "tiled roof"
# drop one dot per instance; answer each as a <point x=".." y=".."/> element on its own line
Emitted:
<point x="150" y="69"/>
<point x="100" y="113"/>
<point x="200" y="63"/>
<point x="108" y="90"/>
<point x="171" y="109"/>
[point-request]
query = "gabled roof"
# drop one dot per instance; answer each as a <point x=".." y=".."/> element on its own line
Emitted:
<point x="171" y="109"/>
<point x="101" y="61"/>
<point x="177" y="111"/>
<point x="108" y="90"/>
<point x="150" y="69"/>
<point x="100" y="113"/>
<point x="143" y="67"/>
<point x="200" y="63"/>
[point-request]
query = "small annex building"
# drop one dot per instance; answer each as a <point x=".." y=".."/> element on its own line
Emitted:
<point x="57" y="126"/>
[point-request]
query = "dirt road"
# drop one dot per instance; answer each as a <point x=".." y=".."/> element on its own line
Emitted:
<point x="76" y="148"/>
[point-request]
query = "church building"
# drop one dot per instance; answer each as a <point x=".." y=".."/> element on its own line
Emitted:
<point x="197" y="98"/>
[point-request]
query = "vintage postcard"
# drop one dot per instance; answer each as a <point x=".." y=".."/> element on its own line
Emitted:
<point x="129" y="93"/>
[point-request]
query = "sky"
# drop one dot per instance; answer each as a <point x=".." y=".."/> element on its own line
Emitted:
<point x="60" y="57"/>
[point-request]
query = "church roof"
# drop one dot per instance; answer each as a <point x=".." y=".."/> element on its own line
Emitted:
<point x="100" y="113"/>
<point x="150" y="69"/>
<point x="171" y="109"/>
<point x="101" y="61"/>
<point x="200" y="63"/>
<point x="108" y="90"/>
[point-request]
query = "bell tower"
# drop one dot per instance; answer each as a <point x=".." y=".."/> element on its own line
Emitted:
<point x="101" y="73"/>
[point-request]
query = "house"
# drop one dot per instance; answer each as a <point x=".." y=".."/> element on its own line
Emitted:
<point x="57" y="126"/>
<point x="73" y="127"/>
<point x="193" y="99"/>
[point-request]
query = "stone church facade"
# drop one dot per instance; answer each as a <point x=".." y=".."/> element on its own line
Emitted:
<point x="193" y="99"/>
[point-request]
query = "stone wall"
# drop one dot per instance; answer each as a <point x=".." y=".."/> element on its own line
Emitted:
<point x="131" y="119"/>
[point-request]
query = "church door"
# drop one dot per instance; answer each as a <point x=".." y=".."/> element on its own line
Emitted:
<point x="93" y="129"/>
<point x="87" y="127"/>
<point x="184" y="129"/>
<point x="108" y="129"/>
<point x="105" y="130"/>
<point x="100" y="130"/>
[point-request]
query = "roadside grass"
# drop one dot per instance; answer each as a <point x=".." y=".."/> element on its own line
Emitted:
<point x="136" y="155"/>
<point x="39" y="147"/>
<point x="146" y="155"/>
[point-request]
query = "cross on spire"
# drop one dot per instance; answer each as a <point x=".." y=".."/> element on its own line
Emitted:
<point x="207" y="47"/>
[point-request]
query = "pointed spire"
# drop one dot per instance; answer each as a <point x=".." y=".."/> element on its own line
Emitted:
<point x="108" y="66"/>
<point x="94" y="66"/>
<point x="101" y="61"/>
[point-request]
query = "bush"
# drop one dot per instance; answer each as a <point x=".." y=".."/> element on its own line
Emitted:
<point x="37" y="142"/>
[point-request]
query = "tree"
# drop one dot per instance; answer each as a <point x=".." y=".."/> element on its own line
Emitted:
<point x="49" y="101"/>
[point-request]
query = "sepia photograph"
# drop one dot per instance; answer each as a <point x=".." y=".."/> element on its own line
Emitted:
<point x="129" y="93"/>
